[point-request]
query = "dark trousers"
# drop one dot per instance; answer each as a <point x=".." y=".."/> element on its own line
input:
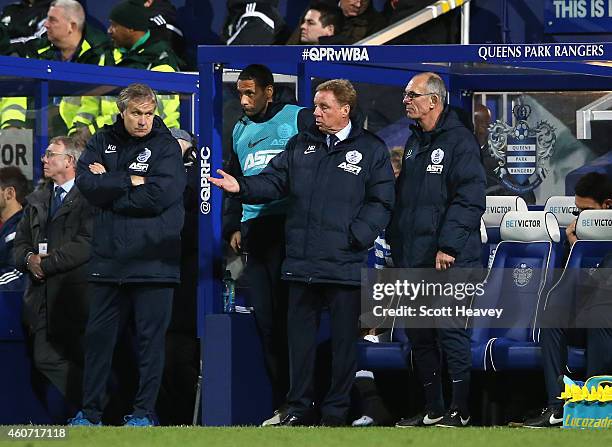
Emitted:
<point x="554" y="343"/>
<point x="305" y="304"/>
<point x="427" y="347"/>
<point x="60" y="360"/>
<point x="110" y="307"/>
<point x="264" y="243"/>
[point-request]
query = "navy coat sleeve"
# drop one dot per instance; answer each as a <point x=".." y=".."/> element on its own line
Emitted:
<point x="232" y="207"/>
<point x="270" y="184"/>
<point x="375" y="212"/>
<point x="99" y="189"/>
<point x="467" y="197"/>
<point x="164" y="185"/>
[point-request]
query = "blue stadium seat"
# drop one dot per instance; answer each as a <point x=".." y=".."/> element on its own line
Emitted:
<point x="521" y="274"/>
<point x="496" y="207"/>
<point x="393" y="354"/>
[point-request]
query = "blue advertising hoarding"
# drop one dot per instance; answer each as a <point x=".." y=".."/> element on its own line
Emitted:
<point x="577" y="16"/>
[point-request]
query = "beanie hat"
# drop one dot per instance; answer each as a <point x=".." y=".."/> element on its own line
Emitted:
<point x="131" y="14"/>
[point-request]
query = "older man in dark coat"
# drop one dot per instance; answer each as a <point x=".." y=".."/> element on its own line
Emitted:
<point x="53" y="244"/>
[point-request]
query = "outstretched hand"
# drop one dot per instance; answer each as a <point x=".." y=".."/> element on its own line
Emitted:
<point x="226" y="182"/>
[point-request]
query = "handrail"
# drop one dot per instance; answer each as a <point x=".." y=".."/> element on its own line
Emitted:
<point x="411" y="22"/>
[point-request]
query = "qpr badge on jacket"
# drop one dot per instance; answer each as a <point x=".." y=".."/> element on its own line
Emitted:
<point x="141" y="165"/>
<point x="436" y="159"/>
<point x="352" y="160"/>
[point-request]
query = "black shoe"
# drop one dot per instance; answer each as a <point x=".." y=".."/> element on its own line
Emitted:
<point x="420" y="420"/>
<point x="332" y="421"/>
<point x="290" y="420"/>
<point x="454" y="419"/>
<point x="550" y="417"/>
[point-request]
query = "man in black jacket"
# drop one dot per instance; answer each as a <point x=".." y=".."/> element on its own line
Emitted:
<point x="339" y="182"/>
<point x="436" y="221"/>
<point x="132" y="172"/>
<point x="53" y="245"/>
<point x="257" y="231"/>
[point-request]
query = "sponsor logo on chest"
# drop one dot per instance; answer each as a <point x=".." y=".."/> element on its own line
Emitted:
<point x="351" y="164"/>
<point x="436" y="166"/>
<point x="141" y="165"/>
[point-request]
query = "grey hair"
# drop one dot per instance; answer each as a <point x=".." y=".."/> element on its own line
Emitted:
<point x="134" y="92"/>
<point x="73" y="10"/>
<point x="435" y="84"/>
<point x="71" y="146"/>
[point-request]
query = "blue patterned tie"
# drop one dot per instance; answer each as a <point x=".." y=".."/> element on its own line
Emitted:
<point x="333" y="139"/>
<point x="57" y="199"/>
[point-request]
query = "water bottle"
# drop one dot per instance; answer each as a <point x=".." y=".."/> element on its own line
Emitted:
<point x="229" y="293"/>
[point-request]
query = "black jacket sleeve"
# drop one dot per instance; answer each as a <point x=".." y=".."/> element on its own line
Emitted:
<point x="163" y="186"/>
<point x="99" y="189"/>
<point x="467" y="197"/>
<point x="375" y="212"/>
<point x="270" y="184"/>
<point x="232" y="207"/>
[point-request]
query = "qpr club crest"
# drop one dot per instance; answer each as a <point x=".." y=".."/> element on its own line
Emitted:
<point x="522" y="275"/>
<point x="353" y="157"/>
<point x="437" y="156"/>
<point x="144" y="155"/>
<point x="521" y="150"/>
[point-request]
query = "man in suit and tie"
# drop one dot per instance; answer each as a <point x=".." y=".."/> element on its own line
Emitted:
<point x="52" y="245"/>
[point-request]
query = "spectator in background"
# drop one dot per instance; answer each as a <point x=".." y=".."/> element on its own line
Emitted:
<point x="360" y="20"/>
<point x="68" y="37"/>
<point x="13" y="189"/>
<point x="319" y="20"/>
<point x="164" y="25"/>
<point x="254" y="22"/>
<point x="53" y="244"/>
<point x="24" y="19"/>
<point x="443" y="29"/>
<point x="134" y="48"/>
<point x="22" y="22"/>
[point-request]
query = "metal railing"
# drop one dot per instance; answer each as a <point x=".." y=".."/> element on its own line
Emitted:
<point x="419" y="18"/>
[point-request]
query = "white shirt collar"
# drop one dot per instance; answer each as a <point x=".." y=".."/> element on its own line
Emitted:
<point x="343" y="133"/>
<point x="66" y="186"/>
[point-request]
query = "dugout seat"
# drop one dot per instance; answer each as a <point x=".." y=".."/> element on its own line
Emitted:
<point x="520" y="275"/>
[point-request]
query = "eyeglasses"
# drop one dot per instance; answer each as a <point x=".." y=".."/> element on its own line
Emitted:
<point x="49" y="154"/>
<point x="411" y="95"/>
